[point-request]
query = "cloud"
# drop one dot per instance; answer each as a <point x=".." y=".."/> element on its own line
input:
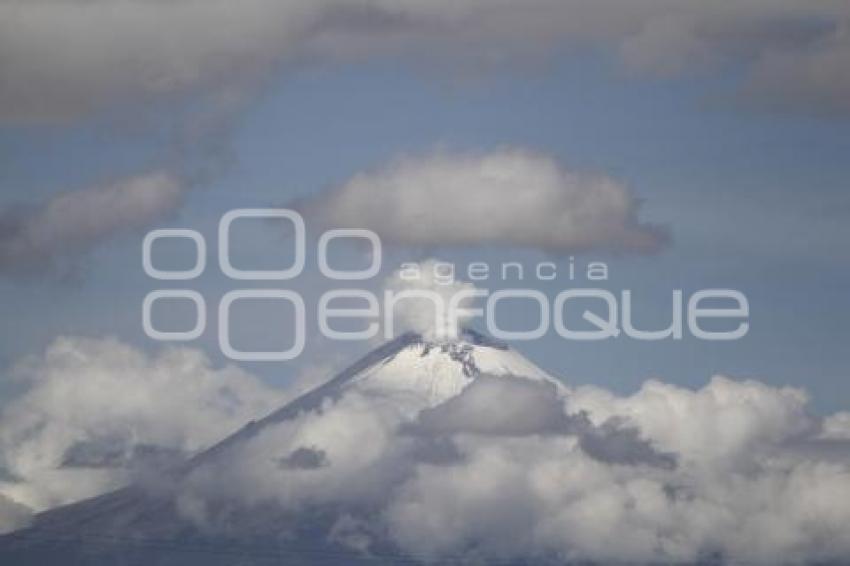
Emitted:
<point x="666" y="475"/>
<point x="816" y="77"/>
<point x="721" y="423"/>
<point x="69" y="58"/>
<point x="509" y="469"/>
<point x="510" y="196"/>
<point x="73" y="222"/>
<point x="837" y="426"/>
<point x="97" y="413"/>
<point x="13" y="515"/>
<point x="414" y="286"/>
<point x="534" y="409"/>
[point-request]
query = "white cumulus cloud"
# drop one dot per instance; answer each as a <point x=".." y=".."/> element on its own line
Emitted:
<point x="667" y="475"/>
<point x="93" y="411"/>
<point x="511" y="196"/>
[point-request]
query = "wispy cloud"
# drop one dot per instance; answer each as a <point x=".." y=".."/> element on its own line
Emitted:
<point x="35" y="237"/>
<point x="66" y="59"/>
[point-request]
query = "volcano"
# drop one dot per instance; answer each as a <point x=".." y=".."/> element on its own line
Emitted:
<point x="143" y="522"/>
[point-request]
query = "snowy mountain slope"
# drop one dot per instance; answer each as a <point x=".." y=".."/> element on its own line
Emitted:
<point x="424" y="374"/>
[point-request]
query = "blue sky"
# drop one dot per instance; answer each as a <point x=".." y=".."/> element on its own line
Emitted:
<point x="755" y="200"/>
<point x="687" y="145"/>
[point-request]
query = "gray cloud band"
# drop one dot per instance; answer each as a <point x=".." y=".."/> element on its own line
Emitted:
<point x="62" y="60"/>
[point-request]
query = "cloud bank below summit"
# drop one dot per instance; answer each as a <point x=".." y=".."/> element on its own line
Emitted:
<point x="509" y="469"/>
<point x="731" y="471"/>
<point x="511" y="196"/>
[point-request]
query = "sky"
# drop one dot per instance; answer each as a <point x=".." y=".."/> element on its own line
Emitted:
<point x="685" y="145"/>
<point x="752" y="199"/>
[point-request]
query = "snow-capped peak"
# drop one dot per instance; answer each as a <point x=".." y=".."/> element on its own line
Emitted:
<point x="411" y="371"/>
<point x="430" y="372"/>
